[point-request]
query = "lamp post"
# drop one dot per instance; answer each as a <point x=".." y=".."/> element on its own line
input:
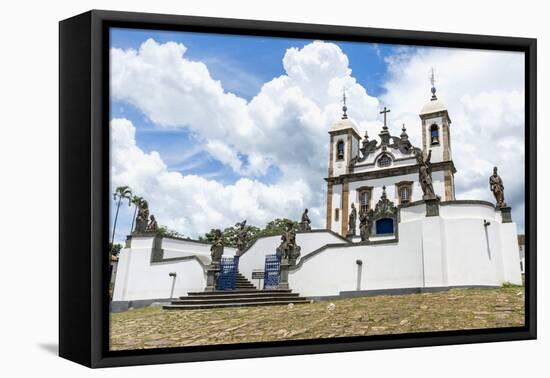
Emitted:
<point x="359" y="273"/>
<point x="173" y="275"/>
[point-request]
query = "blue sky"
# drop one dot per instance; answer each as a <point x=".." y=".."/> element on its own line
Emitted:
<point x="250" y="68"/>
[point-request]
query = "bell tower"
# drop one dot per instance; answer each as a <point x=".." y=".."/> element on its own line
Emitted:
<point x="436" y="136"/>
<point x="343" y="149"/>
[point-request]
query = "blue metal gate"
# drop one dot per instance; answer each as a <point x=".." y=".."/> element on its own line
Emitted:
<point x="272" y="272"/>
<point x="228" y="272"/>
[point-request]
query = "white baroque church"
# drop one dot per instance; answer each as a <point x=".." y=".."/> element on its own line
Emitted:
<point x="359" y="168"/>
<point x="412" y="244"/>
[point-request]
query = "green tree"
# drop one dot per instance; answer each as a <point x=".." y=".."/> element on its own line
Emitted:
<point x="115" y="248"/>
<point x="275" y="227"/>
<point x="121" y="192"/>
<point x="278" y="227"/>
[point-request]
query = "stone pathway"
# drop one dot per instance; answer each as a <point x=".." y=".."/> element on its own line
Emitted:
<point x="456" y="309"/>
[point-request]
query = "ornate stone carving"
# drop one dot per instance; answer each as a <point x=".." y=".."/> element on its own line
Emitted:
<point x="289" y="250"/>
<point x="242" y="237"/>
<point x="153" y="225"/>
<point x="216" y="250"/>
<point x="497" y="187"/>
<point x="142" y="218"/>
<point x="367" y="147"/>
<point x="383" y="209"/>
<point x="387" y="142"/>
<point x="305" y="223"/>
<point x="425" y="175"/>
<point x="352" y="220"/>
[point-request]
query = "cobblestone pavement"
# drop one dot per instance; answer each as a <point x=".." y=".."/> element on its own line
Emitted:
<point x="456" y="309"/>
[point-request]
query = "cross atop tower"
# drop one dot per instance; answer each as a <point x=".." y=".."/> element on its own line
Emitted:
<point x="385" y="111"/>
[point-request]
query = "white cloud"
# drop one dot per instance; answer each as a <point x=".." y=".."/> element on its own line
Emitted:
<point x="193" y="204"/>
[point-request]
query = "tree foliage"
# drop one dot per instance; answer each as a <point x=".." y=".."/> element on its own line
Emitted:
<point x="115" y="248"/>
<point x="274" y="227"/>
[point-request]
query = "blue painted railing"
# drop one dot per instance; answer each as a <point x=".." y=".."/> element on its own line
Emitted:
<point x="272" y="272"/>
<point x="229" y="267"/>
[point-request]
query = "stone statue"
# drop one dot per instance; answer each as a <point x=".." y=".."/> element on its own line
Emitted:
<point x="305" y="224"/>
<point x="216" y="251"/>
<point x="425" y="175"/>
<point x="364" y="230"/>
<point x="497" y="187"/>
<point x="288" y="248"/>
<point x="142" y="218"/>
<point x="242" y="237"/>
<point x="152" y="226"/>
<point x="352" y="221"/>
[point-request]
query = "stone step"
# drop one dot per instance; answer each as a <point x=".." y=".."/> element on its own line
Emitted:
<point x="224" y="300"/>
<point x="239" y="294"/>
<point x="244" y="291"/>
<point x="225" y="305"/>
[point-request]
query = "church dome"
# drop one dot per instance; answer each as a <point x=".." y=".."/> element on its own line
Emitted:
<point x="343" y="124"/>
<point x="433" y="106"/>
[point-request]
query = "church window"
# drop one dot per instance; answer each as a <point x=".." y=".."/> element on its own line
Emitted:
<point x="340" y="150"/>
<point x="336" y="215"/>
<point x="384" y="226"/>
<point x="403" y="192"/>
<point x="384" y="161"/>
<point x="364" y="198"/>
<point x="404" y="195"/>
<point x="434" y="134"/>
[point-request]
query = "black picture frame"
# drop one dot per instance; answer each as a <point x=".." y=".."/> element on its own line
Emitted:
<point x="84" y="192"/>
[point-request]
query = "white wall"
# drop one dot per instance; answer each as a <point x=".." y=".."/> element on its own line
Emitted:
<point x="138" y="278"/>
<point x="454" y="249"/>
<point x="254" y="258"/>
<point x="384" y="266"/>
<point x="180" y="248"/>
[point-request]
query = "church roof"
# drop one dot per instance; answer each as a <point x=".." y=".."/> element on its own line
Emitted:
<point x="433" y="106"/>
<point x="343" y="124"/>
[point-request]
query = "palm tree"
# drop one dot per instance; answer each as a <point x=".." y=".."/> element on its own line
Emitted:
<point x="122" y="192"/>
<point x="136" y="200"/>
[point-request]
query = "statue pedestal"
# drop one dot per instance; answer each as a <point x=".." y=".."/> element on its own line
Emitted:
<point x="283" y="278"/>
<point x="432" y="207"/>
<point x="506" y="213"/>
<point x="211" y="272"/>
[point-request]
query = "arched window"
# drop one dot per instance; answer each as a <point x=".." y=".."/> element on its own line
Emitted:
<point x="384" y="161"/>
<point x="340" y="150"/>
<point x="384" y="226"/>
<point x="434" y="134"/>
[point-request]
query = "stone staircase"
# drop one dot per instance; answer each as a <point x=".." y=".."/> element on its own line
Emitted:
<point x="245" y="294"/>
<point x="241" y="282"/>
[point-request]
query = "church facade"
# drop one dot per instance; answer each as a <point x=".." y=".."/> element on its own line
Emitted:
<point x="360" y="169"/>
